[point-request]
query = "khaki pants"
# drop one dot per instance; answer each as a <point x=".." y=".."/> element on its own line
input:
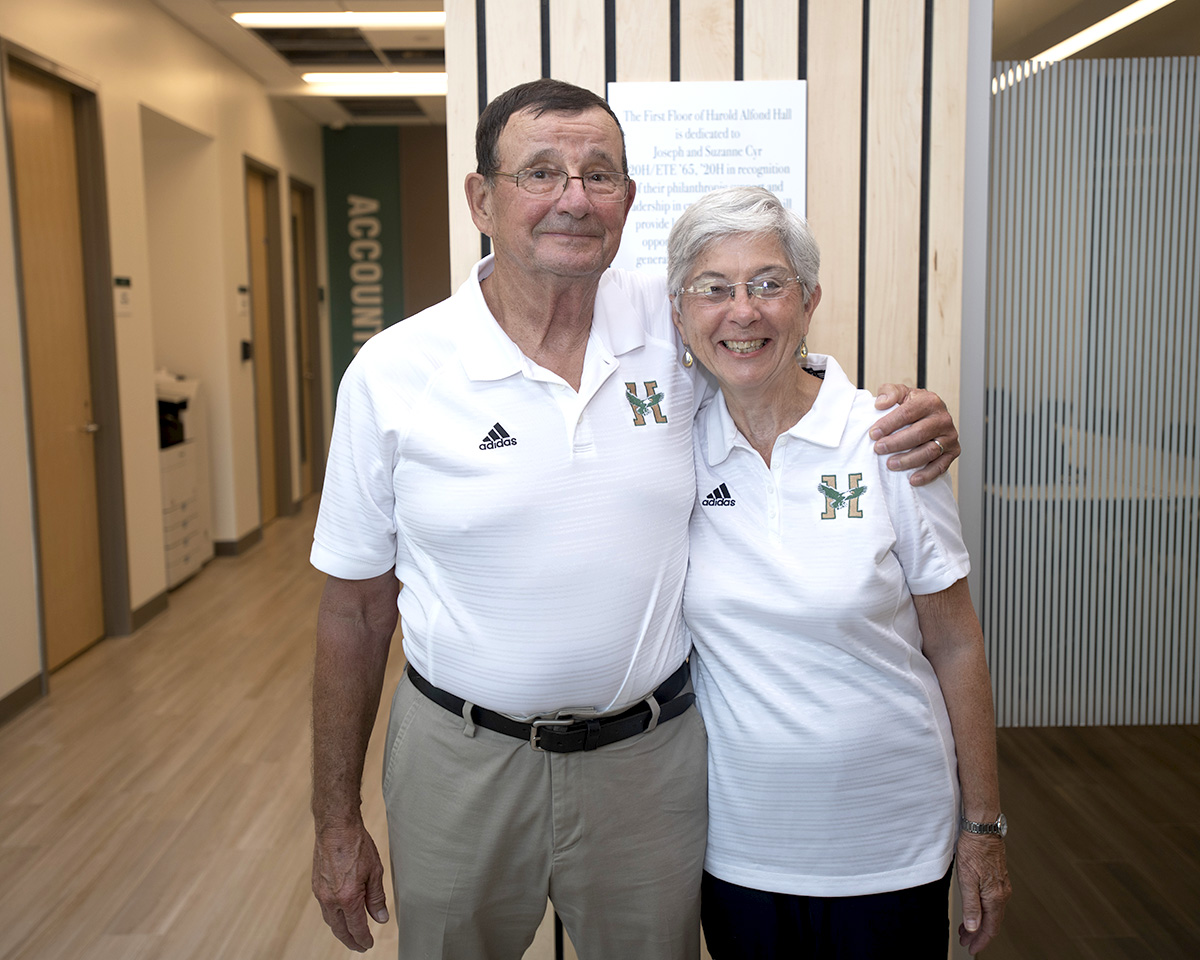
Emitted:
<point x="483" y="828"/>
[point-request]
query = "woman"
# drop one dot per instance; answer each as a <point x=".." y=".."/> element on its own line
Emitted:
<point x="835" y="701"/>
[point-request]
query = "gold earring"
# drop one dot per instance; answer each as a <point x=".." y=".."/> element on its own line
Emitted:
<point x="688" y="359"/>
<point x="804" y="348"/>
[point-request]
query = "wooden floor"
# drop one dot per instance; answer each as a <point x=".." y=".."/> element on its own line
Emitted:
<point x="155" y="805"/>
<point x="1104" y="843"/>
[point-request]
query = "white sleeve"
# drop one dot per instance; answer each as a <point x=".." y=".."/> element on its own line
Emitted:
<point x="355" y="537"/>
<point x="929" y="543"/>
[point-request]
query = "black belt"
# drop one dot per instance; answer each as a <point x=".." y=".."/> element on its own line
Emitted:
<point x="568" y="734"/>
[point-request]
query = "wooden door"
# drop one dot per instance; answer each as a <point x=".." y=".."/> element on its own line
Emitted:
<point x="260" y="310"/>
<point x="46" y="177"/>
<point x="303" y="289"/>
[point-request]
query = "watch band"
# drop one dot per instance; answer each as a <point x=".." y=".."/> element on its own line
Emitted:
<point x="999" y="828"/>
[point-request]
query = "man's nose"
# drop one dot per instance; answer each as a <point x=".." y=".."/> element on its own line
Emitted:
<point x="574" y="194"/>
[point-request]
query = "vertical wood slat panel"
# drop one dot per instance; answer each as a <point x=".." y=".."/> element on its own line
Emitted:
<point x="1092" y="505"/>
<point x="893" y="191"/>
<point x="705" y="40"/>
<point x="834" y="110"/>
<point x="769" y="39"/>
<point x="948" y="90"/>
<point x="462" y="110"/>
<point x="514" y="43"/>
<point x="577" y="43"/>
<point x="643" y="40"/>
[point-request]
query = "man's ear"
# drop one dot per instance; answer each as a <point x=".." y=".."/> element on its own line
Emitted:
<point x="629" y="196"/>
<point x="479" y="199"/>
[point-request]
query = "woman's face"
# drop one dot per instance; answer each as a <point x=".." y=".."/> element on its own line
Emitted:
<point x="746" y="342"/>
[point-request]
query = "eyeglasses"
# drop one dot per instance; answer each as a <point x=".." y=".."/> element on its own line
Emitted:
<point x="601" y="186"/>
<point x="719" y="291"/>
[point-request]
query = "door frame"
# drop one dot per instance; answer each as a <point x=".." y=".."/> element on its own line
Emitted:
<point x="316" y="427"/>
<point x="285" y="503"/>
<point x="102" y="341"/>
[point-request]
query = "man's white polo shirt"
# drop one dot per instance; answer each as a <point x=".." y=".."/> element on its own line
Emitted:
<point x="831" y="764"/>
<point x="540" y="534"/>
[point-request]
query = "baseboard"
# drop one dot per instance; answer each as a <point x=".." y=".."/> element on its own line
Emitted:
<point x="148" y="611"/>
<point x="233" y="548"/>
<point x="19" y="699"/>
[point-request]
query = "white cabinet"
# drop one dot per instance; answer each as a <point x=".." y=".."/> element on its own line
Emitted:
<point x="185" y="511"/>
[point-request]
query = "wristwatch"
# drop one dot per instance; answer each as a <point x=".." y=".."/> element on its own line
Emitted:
<point x="999" y="828"/>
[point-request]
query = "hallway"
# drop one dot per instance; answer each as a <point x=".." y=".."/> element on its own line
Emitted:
<point x="155" y="805"/>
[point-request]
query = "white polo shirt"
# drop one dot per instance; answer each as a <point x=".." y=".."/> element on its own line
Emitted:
<point x="540" y="534"/>
<point x="831" y="763"/>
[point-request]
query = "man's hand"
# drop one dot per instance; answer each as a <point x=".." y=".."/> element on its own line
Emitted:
<point x="920" y="431"/>
<point x="983" y="883"/>
<point x="347" y="880"/>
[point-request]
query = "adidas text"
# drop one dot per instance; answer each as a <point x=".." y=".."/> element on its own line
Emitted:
<point x="720" y="497"/>
<point x="492" y="444"/>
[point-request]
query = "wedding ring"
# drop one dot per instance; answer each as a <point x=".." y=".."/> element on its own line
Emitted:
<point x="940" y="447"/>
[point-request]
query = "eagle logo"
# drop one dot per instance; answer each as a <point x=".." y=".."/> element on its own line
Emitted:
<point x="641" y="406"/>
<point x="838" y="500"/>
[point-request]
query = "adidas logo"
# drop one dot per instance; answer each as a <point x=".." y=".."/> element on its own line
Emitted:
<point x="497" y="437"/>
<point x="720" y="497"/>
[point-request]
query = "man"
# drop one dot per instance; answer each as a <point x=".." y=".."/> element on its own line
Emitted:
<point x="519" y="457"/>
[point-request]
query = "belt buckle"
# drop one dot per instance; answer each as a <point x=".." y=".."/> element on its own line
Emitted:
<point x="536" y="725"/>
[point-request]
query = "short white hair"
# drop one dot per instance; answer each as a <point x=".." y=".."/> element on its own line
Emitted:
<point x="741" y="212"/>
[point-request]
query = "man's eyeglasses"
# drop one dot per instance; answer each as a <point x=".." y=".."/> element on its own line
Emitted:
<point x="602" y="186"/>
<point x="720" y="291"/>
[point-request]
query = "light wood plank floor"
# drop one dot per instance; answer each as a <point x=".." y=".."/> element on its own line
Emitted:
<point x="155" y="805"/>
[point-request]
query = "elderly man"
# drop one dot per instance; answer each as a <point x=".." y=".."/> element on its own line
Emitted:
<point x="519" y="458"/>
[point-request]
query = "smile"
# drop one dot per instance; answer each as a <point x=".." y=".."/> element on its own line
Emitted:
<point x="743" y="346"/>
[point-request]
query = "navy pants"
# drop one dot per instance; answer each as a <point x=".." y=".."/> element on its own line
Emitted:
<point x="745" y="924"/>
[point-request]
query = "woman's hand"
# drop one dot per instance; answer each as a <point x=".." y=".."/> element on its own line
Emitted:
<point x="983" y="883"/>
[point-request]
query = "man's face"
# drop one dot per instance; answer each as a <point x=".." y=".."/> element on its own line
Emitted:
<point x="565" y="235"/>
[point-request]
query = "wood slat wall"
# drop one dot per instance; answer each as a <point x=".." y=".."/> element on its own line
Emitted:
<point x="901" y="149"/>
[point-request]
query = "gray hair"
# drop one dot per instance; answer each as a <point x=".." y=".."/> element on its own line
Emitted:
<point x="741" y="212"/>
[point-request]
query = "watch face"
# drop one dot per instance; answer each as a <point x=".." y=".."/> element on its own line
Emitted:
<point x="1002" y="823"/>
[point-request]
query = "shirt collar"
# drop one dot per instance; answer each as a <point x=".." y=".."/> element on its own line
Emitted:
<point x="823" y="425"/>
<point x="489" y="354"/>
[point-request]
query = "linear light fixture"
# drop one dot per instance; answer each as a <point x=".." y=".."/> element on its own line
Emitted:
<point x="431" y="20"/>
<point x="1073" y="44"/>
<point x="376" y="84"/>
<point x="1101" y="29"/>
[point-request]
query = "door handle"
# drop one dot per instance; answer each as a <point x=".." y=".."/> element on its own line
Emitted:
<point x="91" y="428"/>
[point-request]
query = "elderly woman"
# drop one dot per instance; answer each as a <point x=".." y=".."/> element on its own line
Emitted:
<point x="839" y="664"/>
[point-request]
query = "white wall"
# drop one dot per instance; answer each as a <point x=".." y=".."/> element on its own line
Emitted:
<point x="136" y="57"/>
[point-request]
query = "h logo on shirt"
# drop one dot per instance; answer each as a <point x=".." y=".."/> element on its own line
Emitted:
<point x="641" y="407"/>
<point x="836" y="499"/>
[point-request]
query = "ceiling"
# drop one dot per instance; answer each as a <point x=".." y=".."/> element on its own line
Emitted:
<point x="1021" y="29"/>
<point x="279" y="57"/>
<point x="1024" y="28"/>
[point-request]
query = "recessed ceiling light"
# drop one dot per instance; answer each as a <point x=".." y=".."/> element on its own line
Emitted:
<point x="431" y="20"/>
<point x="376" y="84"/>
